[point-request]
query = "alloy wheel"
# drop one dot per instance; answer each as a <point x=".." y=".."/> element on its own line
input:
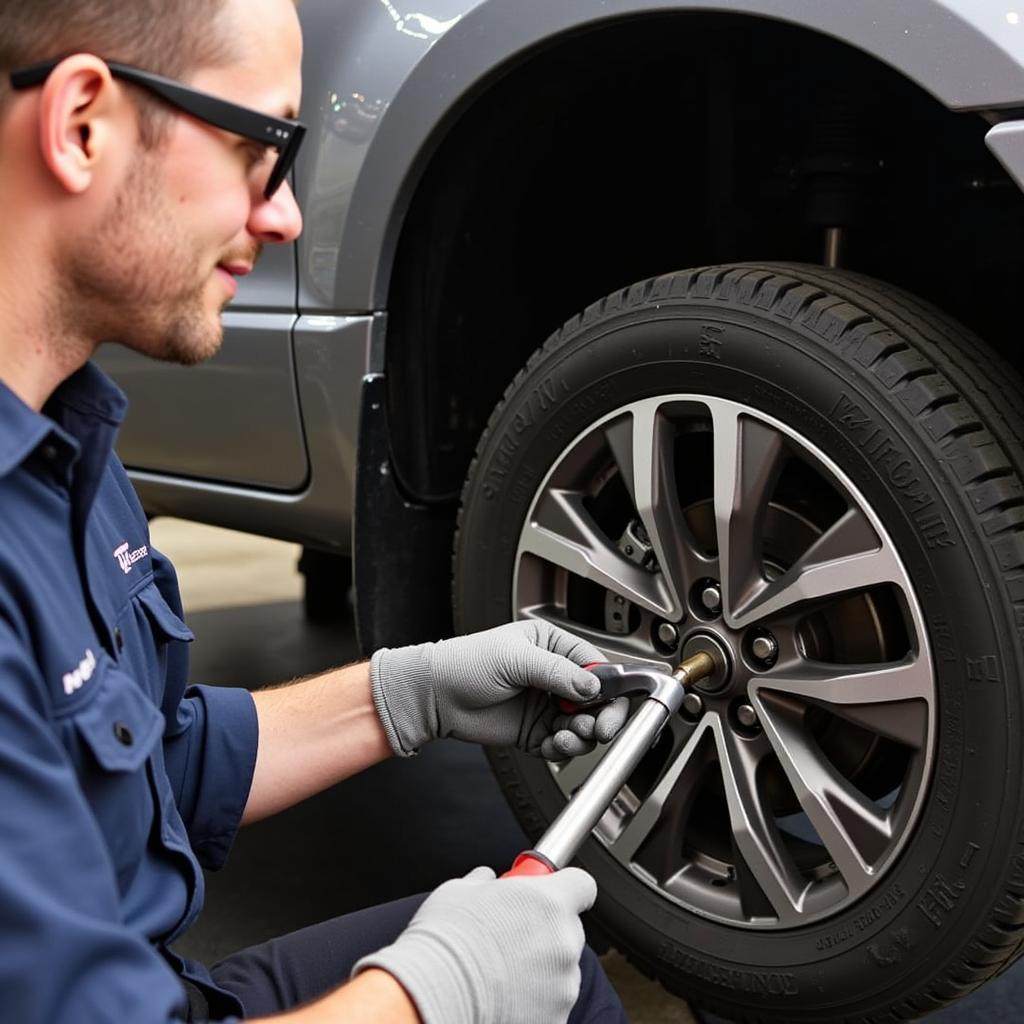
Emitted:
<point x="787" y="785"/>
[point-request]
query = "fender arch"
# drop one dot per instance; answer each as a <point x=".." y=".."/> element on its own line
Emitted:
<point x="938" y="44"/>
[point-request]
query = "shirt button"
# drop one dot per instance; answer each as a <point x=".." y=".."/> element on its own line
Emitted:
<point x="118" y="639"/>
<point x="123" y="734"/>
<point x="48" y="452"/>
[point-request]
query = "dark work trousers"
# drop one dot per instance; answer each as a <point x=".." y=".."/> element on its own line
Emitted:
<point x="297" y="968"/>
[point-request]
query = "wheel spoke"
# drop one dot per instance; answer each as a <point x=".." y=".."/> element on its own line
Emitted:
<point x="682" y="773"/>
<point x="643" y="446"/>
<point x="755" y="832"/>
<point x="854" y="831"/>
<point x="563" y="532"/>
<point x="749" y="456"/>
<point x="614" y="646"/>
<point x="892" y="700"/>
<point x="681" y="731"/>
<point x="574" y="772"/>
<point x="847" y="557"/>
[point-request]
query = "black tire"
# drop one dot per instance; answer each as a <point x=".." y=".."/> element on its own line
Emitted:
<point x="926" y="420"/>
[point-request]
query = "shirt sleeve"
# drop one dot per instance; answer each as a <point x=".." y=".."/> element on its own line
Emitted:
<point x="209" y="744"/>
<point x="210" y="756"/>
<point x="65" y="956"/>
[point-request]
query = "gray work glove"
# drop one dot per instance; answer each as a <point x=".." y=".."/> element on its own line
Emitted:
<point x="499" y="687"/>
<point x="486" y="951"/>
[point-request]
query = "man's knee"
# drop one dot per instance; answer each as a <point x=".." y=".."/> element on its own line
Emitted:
<point x="598" y="1001"/>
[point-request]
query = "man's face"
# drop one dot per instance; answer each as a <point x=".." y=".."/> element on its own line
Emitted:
<point x="190" y="216"/>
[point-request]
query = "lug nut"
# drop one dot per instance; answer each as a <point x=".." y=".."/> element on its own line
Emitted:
<point x="668" y="634"/>
<point x="693" y="705"/>
<point x="746" y="716"/>
<point x="711" y="597"/>
<point x="764" y="648"/>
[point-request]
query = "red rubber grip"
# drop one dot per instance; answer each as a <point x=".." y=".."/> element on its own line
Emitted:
<point x="529" y="863"/>
<point x="566" y="706"/>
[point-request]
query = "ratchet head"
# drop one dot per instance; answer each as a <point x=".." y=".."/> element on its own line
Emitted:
<point x="625" y="679"/>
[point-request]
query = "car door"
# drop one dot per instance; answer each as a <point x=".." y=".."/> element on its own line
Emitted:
<point x="235" y="419"/>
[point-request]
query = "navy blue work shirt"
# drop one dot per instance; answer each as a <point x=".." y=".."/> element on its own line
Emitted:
<point x="116" y="783"/>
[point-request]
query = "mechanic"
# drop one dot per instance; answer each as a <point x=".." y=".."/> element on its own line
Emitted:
<point x="130" y="206"/>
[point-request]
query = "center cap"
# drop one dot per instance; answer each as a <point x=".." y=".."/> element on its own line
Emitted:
<point x="709" y="644"/>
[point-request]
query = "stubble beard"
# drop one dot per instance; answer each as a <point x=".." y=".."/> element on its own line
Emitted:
<point x="142" y="283"/>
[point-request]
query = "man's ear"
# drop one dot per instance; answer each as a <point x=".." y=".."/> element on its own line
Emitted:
<point x="77" y="120"/>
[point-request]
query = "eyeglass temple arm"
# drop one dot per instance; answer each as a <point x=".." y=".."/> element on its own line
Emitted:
<point x="274" y="131"/>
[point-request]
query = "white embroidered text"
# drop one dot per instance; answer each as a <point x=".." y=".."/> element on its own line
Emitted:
<point x="74" y="679"/>
<point x="126" y="559"/>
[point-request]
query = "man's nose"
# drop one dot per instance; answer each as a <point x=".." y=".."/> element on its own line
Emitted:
<point x="277" y="219"/>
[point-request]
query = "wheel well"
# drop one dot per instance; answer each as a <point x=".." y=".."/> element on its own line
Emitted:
<point x="671" y="141"/>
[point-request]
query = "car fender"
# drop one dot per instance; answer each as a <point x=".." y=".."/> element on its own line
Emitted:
<point x="383" y="83"/>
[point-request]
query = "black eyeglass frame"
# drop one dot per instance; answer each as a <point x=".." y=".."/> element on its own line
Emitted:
<point x="280" y="133"/>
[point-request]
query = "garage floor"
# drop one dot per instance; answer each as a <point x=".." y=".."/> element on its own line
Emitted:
<point x="399" y="828"/>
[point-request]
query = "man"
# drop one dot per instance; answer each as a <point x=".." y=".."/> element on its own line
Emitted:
<point x="130" y="206"/>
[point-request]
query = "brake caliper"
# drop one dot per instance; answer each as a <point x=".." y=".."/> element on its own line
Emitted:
<point x="636" y="546"/>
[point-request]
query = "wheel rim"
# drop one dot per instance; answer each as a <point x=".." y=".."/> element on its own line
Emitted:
<point x="788" y="785"/>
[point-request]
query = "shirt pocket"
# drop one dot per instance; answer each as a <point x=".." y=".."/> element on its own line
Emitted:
<point x="155" y="646"/>
<point x="166" y="623"/>
<point x="116" y="734"/>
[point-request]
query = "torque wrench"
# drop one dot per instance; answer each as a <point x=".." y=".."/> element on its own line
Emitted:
<point x="664" y="695"/>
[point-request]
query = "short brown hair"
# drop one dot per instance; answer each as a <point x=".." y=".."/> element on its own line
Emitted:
<point x="171" y="39"/>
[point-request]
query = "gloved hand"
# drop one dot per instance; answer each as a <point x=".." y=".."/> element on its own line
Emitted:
<point x="486" y="951"/>
<point x="497" y="687"/>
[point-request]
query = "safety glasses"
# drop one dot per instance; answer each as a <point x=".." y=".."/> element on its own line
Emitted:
<point x="279" y="133"/>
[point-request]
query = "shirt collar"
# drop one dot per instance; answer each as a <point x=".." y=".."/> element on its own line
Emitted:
<point x="91" y="394"/>
<point x="22" y="430"/>
<point x="84" y="401"/>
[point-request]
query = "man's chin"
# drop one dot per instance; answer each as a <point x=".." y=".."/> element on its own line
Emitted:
<point x="193" y="350"/>
<point x="190" y="356"/>
<point x="186" y="343"/>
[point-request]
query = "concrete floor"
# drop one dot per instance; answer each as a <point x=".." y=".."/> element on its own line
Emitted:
<point x="399" y="828"/>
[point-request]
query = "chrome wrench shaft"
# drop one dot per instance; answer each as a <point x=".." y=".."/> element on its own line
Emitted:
<point x="664" y="695"/>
